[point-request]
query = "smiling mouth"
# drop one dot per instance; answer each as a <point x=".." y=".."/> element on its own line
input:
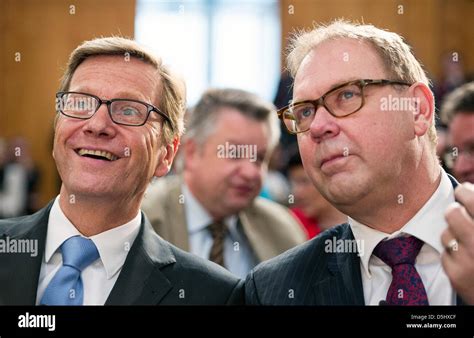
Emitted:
<point x="97" y="154"/>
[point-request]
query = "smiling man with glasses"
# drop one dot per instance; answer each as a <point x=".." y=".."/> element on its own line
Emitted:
<point x="119" y="122"/>
<point x="126" y="112"/>
<point x="363" y="113"/>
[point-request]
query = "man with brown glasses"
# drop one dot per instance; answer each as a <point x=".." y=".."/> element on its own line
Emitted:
<point x="363" y="114"/>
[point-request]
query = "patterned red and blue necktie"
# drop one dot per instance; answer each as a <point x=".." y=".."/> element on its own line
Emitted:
<point x="407" y="287"/>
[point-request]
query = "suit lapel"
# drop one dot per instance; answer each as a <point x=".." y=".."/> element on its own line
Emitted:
<point x="141" y="282"/>
<point x="349" y="268"/>
<point x="343" y="284"/>
<point x="20" y="278"/>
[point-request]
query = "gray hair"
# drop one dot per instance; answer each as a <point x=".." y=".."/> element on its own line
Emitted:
<point x="203" y="117"/>
<point x="396" y="55"/>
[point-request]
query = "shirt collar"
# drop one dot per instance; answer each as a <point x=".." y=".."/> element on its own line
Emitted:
<point x="113" y="245"/>
<point x="427" y="224"/>
<point x="197" y="217"/>
<point x="59" y="230"/>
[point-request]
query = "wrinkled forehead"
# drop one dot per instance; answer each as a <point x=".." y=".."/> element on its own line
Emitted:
<point x="111" y="76"/>
<point x="333" y="62"/>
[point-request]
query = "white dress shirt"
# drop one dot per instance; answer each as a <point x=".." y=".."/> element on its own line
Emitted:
<point x="427" y="225"/>
<point x="99" y="277"/>
<point x="238" y="255"/>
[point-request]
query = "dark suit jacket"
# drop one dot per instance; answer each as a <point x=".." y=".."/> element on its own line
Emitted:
<point x="308" y="275"/>
<point x="155" y="272"/>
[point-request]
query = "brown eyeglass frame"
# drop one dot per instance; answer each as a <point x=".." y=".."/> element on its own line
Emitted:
<point x="321" y="101"/>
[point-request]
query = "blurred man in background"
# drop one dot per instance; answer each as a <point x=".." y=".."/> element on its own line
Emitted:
<point x="212" y="210"/>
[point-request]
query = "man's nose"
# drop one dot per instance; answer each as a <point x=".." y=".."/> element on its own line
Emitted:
<point x="324" y="125"/>
<point x="251" y="170"/>
<point x="100" y="124"/>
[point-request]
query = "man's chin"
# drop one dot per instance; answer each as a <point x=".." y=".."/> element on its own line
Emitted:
<point x="237" y="204"/>
<point x="345" y="194"/>
<point x="334" y="189"/>
<point x="90" y="190"/>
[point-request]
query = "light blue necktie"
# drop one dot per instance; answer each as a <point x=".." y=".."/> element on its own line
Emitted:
<point x="66" y="287"/>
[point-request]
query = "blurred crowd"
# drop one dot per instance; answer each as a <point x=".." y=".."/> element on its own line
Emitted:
<point x="19" y="178"/>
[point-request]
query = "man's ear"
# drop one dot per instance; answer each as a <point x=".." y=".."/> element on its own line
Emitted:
<point x="422" y="107"/>
<point x="166" y="158"/>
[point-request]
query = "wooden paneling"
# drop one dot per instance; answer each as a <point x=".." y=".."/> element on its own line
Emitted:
<point x="432" y="27"/>
<point x="45" y="33"/>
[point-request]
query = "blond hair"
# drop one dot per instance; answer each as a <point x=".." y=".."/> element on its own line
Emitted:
<point x="395" y="54"/>
<point x="172" y="88"/>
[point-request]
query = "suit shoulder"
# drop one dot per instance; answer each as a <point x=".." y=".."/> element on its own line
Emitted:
<point x="197" y="267"/>
<point x="292" y="270"/>
<point x="297" y="255"/>
<point x="209" y="283"/>
<point x="7" y="224"/>
<point x="20" y="225"/>
<point x="200" y="281"/>
<point x="197" y="264"/>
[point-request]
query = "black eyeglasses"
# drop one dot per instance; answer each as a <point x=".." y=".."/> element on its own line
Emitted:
<point x="126" y="112"/>
<point x="343" y="100"/>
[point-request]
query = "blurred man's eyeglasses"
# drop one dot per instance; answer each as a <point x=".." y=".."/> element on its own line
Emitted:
<point x="343" y="100"/>
<point x="125" y="112"/>
<point x="452" y="154"/>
